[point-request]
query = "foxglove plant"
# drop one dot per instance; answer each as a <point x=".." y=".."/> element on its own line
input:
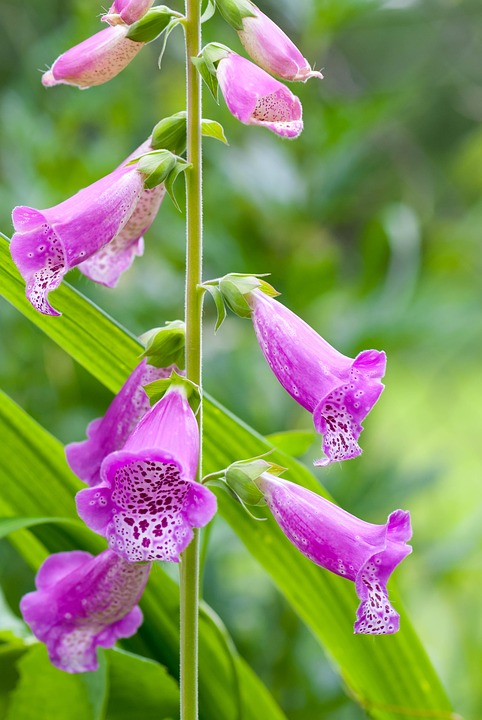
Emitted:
<point x="265" y="42"/>
<point x="148" y="502"/>
<point x="104" y="55"/>
<point x="359" y="551"/>
<point x="115" y="210"/>
<point x="83" y="602"/>
<point x="142" y="463"/>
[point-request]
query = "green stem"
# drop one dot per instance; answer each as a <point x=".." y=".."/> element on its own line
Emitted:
<point x="189" y="570"/>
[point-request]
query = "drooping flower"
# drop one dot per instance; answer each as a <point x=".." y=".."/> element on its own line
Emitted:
<point x="110" y="432"/>
<point x="362" y="552"/>
<point x="255" y="98"/>
<point x="83" y="602"/>
<point x="48" y="243"/>
<point x="127" y="11"/>
<point x="148" y="501"/>
<point x="272" y="49"/>
<point x="95" y="60"/>
<point x="339" y="391"/>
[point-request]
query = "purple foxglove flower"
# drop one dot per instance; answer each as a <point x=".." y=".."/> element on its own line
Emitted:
<point x="272" y="49"/>
<point x="148" y="500"/>
<point x="82" y="602"/>
<point x="339" y="391"/>
<point x="95" y="60"/>
<point x="109" y="433"/>
<point x="107" y="264"/>
<point x="49" y="243"/>
<point x="362" y="552"/>
<point x="127" y="11"/>
<point x="255" y="98"/>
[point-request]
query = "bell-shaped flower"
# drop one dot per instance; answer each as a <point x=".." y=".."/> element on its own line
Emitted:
<point x="339" y="391"/>
<point x="127" y="11"/>
<point x="110" y="432"/>
<point x="95" y="60"/>
<point x="255" y="98"/>
<point x="49" y="243"/>
<point x="362" y="552"/>
<point x="148" y="501"/>
<point x="83" y="602"/>
<point x="272" y="49"/>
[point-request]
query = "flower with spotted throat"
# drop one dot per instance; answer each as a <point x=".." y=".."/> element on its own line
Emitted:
<point x="337" y="390"/>
<point x="148" y="502"/>
<point x="83" y="602"/>
<point x="99" y="230"/>
<point x="256" y="98"/>
<point x="362" y="552"/>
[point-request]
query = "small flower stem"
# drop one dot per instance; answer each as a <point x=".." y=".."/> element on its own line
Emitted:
<point x="189" y="569"/>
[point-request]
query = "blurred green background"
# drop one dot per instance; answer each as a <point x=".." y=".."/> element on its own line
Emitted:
<point x="370" y="226"/>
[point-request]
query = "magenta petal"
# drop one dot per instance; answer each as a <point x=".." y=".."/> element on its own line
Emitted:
<point x="148" y="503"/>
<point x="255" y="98"/>
<point x="272" y="49"/>
<point x="144" y="507"/>
<point x="107" y="264"/>
<point x="128" y="11"/>
<point x="94" y="61"/>
<point x="362" y="552"/>
<point x="107" y="434"/>
<point x="339" y="391"/>
<point x="83" y="602"/>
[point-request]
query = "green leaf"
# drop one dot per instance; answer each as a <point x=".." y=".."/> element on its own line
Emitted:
<point x="170" y="133"/>
<point x="390" y="676"/>
<point x="152" y="24"/>
<point x="210" y="79"/>
<point x="220" y="306"/>
<point x="42" y="687"/>
<point x="208" y="11"/>
<point x="11" y="524"/>
<point x="213" y="129"/>
<point x="293" y="442"/>
<point x="139" y="688"/>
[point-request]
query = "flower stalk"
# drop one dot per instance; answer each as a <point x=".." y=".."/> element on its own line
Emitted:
<point x="189" y="568"/>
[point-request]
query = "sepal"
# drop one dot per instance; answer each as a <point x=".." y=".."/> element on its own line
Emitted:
<point x="165" y="345"/>
<point x="239" y="479"/>
<point x="157" y="389"/>
<point x="233" y="11"/>
<point x="153" y="24"/>
<point x="206" y="63"/>
<point x="170" y="133"/>
<point x="233" y="291"/>
<point x="161" y="166"/>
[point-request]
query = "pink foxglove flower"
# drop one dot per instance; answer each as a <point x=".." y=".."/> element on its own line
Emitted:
<point x="255" y="98"/>
<point x="127" y="11"/>
<point x="95" y="60"/>
<point x="339" y="391"/>
<point x="272" y="49"/>
<point x="48" y="243"/>
<point x="83" y="602"/>
<point x="362" y="552"/>
<point x="110" y="432"/>
<point x="148" y="500"/>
